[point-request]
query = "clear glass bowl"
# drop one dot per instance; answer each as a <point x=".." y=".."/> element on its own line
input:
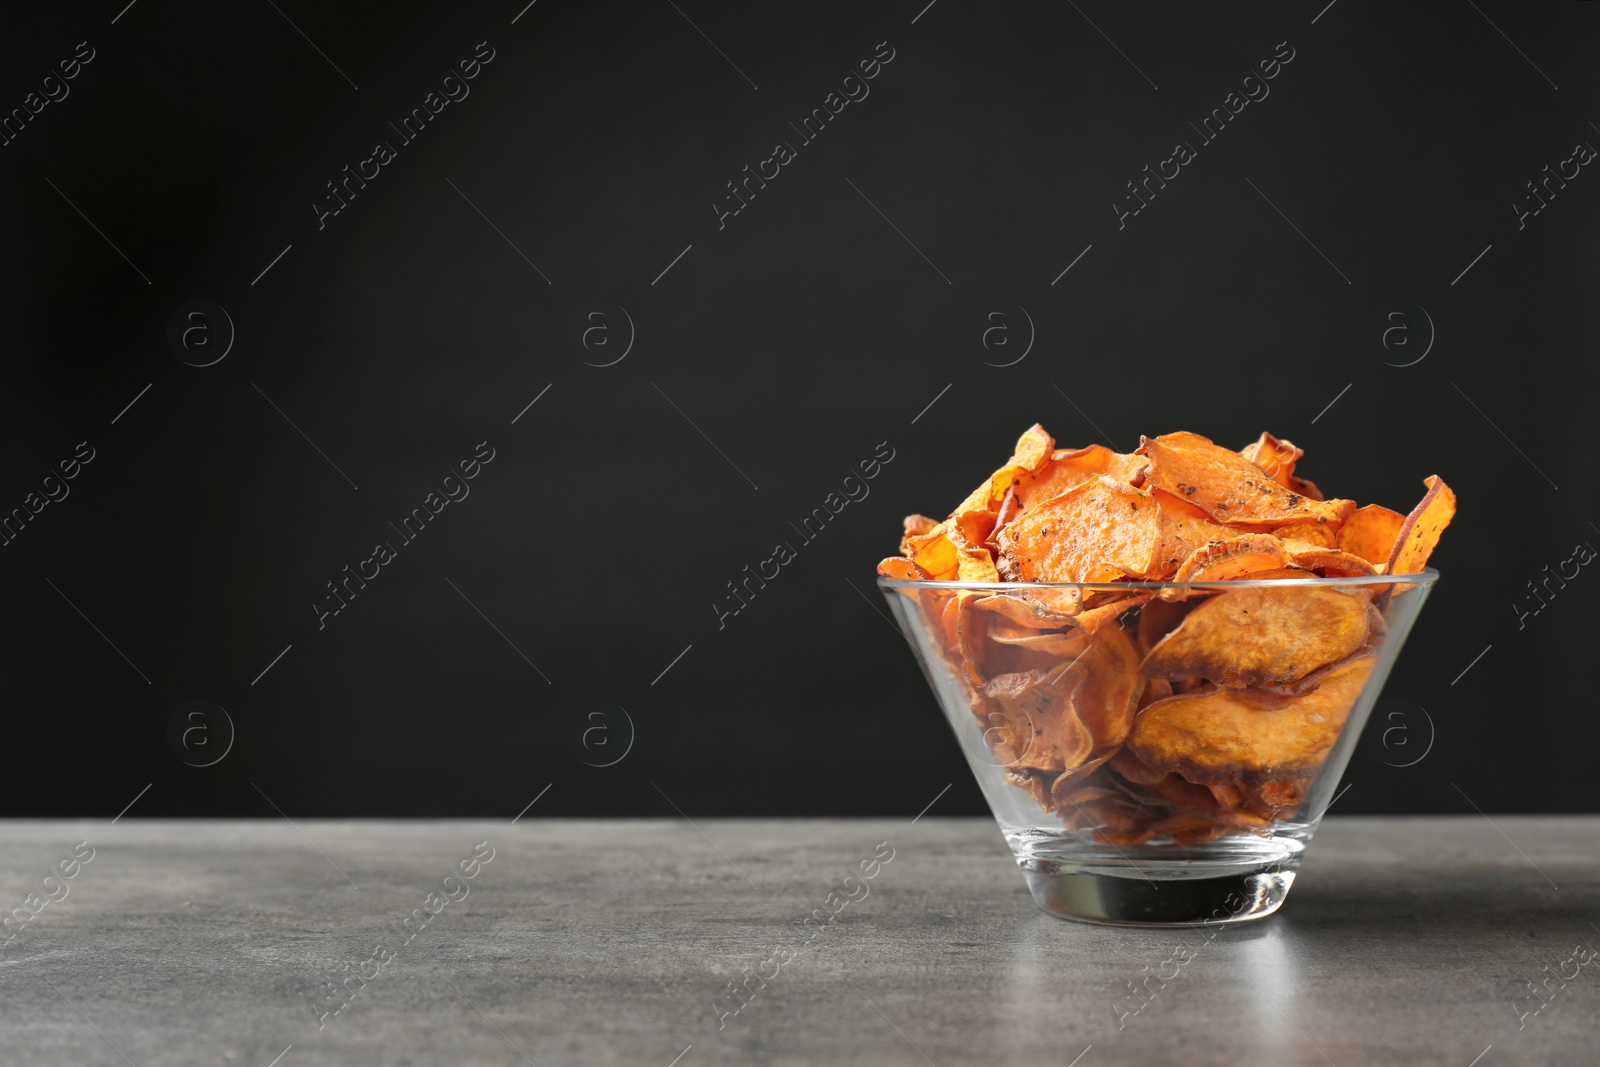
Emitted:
<point x="1159" y="752"/>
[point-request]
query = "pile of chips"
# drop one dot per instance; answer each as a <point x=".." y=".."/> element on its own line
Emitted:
<point x="1172" y="714"/>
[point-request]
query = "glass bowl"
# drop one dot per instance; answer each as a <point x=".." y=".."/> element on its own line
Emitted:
<point x="1159" y="752"/>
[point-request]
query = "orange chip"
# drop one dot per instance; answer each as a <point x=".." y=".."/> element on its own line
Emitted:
<point x="1306" y="489"/>
<point x="989" y="645"/>
<point x="1007" y="511"/>
<point x="1066" y="644"/>
<point x="1099" y="531"/>
<point x="1328" y="562"/>
<point x="1420" y="532"/>
<point x="1321" y="534"/>
<point x="1176" y="507"/>
<point x="967" y="534"/>
<point x="1217" y="732"/>
<point x="1069" y="468"/>
<point x="1276" y="457"/>
<point x="973" y="522"/>
<point x="1237" y="557"/>
<point x="1032" y="452"/>
<point x="1157" y="619"/>
<point x="1282" y="572"/>
<point x="1154" y="689"/>
<point x="933" y="552"/>
<point x="1371" y="532"/>
<point x="978" y="657"/>
<point x="1094" y="618"/>
<point x="1227" y="486"/>
<point x="903" y="569"/>
<point x="1186" y="530"/>
<point x="1034" y="783"/>
<point x="1261" y="635"/>
<point x="1183" y="795"/>
<point x="1188" y="828"/>
<point x="1252" y="805"/>
<point x="1085" y="804"/>
<point x="948" y="606"/>
<point x="1135" y="769"/>
<point x="1068" y="717"/>
<point x="1033" y="722"/>
<point x="1321" y="674"/>
<point x="1105" y="700"/>
<point x="1043" y="609"/>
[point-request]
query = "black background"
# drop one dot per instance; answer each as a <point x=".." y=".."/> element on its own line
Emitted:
<point x="797" y="338"/>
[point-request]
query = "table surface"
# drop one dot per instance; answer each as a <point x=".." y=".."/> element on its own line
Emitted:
<point x="1405" y="940"/>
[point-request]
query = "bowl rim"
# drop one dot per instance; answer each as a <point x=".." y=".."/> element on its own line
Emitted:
<point x="1427" y="576"/>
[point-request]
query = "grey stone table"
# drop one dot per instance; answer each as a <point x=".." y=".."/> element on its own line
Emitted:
<point x="1405" y="941"/>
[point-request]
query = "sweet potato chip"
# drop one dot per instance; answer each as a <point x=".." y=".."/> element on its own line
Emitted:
<point x="1108" y="812"/>
<point x="1154" y="689"/>
<point x="1162" y="805"/>
<point x="1065" y="644"/>
<point x="1135" y="769"/>
<point x="1237" y="557"/>
<point x="971" y="645"/>
<point x="967" y="534"/>
<point x="1227" y="486"/>
<point x="1100" y="800"/>
<point x="1069" y="468"/>
<point x="1099" y="531"/>
<point x="1276" y="457"/>
<point x="1183" y="534"/>
<point x="1228" y="793"/>
<point x="949" y="616"/>
<point x="1218" y="732"/>
<point x="1033" y="722"/>
<point x="1034" y="783"/>
<point x="1105" y="699"/>
<point x="1261" y="635"/>
<point x="901" y="568"/>
<point x="1318" y="676"/>
<point x="1290" y="571"/>
<point x="1044" y="609"/>
<point x="1183" y="795"/>
<point x="1274" y="799"/>
<point x="1371" y="533"/>
<point x="1187" y="828"/>
<point x="1007" y="512"/>
<point x="973" y="523"/>
<point x="933" y="552"/>
<point x="1107" y="612"/>
<point x="983" y="657"/>
<point x="1328" y="562"/>
<point x="1252" y="805"/>
<point x="915" y="526"/>
<point x="1176" y="507"/>
<point x="1419" y="534"/>
<point x="1032" y="452"/>
<point x="1321" y="534"/>
<point x="1157" y="619"/>
<point x="1306" y="488"/>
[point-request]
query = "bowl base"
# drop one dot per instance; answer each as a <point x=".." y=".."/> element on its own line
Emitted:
<point x="1248" y="878"/>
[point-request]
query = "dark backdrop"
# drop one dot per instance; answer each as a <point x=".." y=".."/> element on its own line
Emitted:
<point x="780" y="347"/>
